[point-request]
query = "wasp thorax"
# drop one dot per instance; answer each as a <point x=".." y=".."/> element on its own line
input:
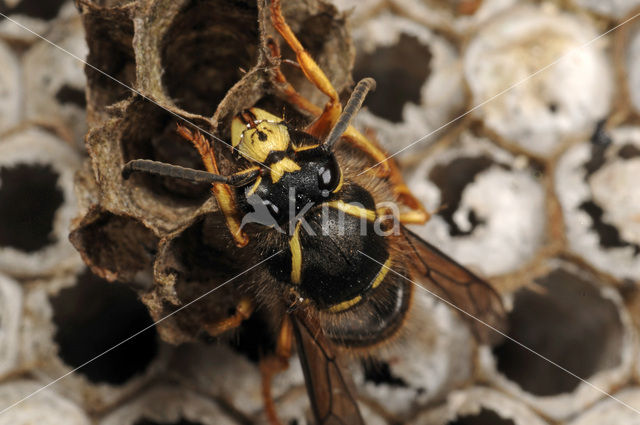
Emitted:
<point x="256" y="133"/>
<point x="290" y="190"/>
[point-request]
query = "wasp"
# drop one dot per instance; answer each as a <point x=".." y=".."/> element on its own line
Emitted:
<point x="341" y="263"/>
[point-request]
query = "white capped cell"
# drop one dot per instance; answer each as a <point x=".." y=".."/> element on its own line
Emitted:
<point x="538" y="77"/>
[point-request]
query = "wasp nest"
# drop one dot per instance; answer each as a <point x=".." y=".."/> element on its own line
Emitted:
<point x="164" y="50"/>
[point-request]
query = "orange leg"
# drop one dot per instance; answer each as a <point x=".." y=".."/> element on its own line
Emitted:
<point x="243" y="311"/>
<point x="274" y="364"/>
<point x="327" y="119"/>
<point x="417" y="214"/>
<point x="351" y="134"/>
<point x="222" y="192"/>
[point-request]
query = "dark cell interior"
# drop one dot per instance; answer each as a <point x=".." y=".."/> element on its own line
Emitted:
<point x="69" y="94"/>
<point x="379" y="372"/>
<point x="145" y="421"/>
<point x="110" y="38"/>
<point x="600" y="135"/>
<point x="598" y="158"/>
<point x="205" y="50"/>
<point x="202" y="258"/>
<point x="35" y="8"/>
<point x="400" y="71"/>
<point x="29" y="198"/>
<point x="485" y="417"/>
<point x="608" y="234"/>
<point x="94" y="316"/>
<point x="629" y="151"/>
<point x="254" y="338"/>
<point x="154" y="136"/>
<point x="452" y="178"/>
<point x="118" y="244"/>
<point x="561" y="324"/>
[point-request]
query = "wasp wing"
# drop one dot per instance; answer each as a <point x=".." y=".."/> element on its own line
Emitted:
<point x="477" y="301"/>
<point x="330" y="389"/>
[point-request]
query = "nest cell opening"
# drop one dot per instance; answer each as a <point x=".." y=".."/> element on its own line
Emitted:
<point x="68" y="94"/>
<point x="206" y="50"/>
<point x="95" y="315"/>
<point x="608" y="234"/>
<point x="379" y="372"/>
<point x="484" y="417"/>
<point x="110" y="39"/>
<point x="117" y="245"/>
<point x="452" y="178"/>
<point x="567" y="320"/>
<point x="629" y="151"/>
<point x="400" y="71"/>
<point x="151" y="134"/>
<point x="145" y="421"/>
<point x="29" y="199"/>
<point x="254" y="339"/>
<point x="201" y="258"/>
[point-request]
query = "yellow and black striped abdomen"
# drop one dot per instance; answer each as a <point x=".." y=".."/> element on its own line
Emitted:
<point x="327" y="256"/>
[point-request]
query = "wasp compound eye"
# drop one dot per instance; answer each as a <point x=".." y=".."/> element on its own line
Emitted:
<point x="329" y="177"/>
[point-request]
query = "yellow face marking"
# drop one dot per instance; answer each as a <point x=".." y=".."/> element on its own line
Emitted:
<point x="285" y="165"/>
<point x="382" y="273"/>
<point x="296" y="255"/>
<point x="345" y="304"/>
<point x="354" y="210"/>
<point x="256" y="139"/>
<point x="255" y="186"/>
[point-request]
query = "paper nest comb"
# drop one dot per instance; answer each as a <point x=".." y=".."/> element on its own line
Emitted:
<point x="203" y="62"/>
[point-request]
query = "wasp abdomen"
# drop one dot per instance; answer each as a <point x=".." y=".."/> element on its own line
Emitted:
<point x="327" y="257"/>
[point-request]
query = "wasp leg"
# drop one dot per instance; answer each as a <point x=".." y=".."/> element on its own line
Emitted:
<point x="274" y="364"/>
<point x="290" y="92"/>
<point x="351" y="134"/>
<point x="327" y="119"/>
<point x="244" y="309"/>
<point x="222" y="192"/>
<point x="417" y="213"/>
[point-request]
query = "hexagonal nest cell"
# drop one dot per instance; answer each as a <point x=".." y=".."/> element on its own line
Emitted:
<point x="28" y="221"/>
<point x="402" y="80"/>
<point x="206" y="50"/>
<point x="551" y="304"/>
<point x="94" y="316"/>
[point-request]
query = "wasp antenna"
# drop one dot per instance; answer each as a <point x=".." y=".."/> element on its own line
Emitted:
<point x="168" y="170"/>
<point x="350" y="110"/>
